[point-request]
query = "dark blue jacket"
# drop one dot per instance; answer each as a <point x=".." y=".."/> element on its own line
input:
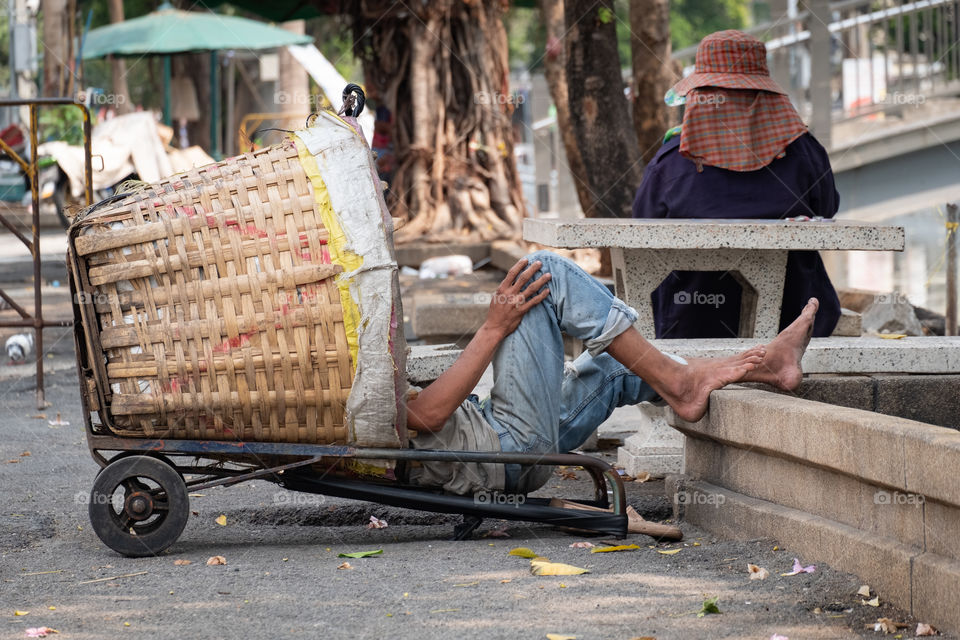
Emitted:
<point x="798" y="184"/>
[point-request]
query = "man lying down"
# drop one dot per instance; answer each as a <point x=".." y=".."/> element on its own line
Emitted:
<point x="539" y="405"/>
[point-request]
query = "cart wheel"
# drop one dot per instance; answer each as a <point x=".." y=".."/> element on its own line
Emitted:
<point x="139" y="506"/>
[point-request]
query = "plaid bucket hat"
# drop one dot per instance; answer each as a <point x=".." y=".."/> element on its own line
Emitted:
<point x="736" y="116"/>
<point x="731" y="60"/>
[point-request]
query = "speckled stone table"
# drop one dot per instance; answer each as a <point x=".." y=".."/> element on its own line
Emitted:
<point x="644" y="252"/>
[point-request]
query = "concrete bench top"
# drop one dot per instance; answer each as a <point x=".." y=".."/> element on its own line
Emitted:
<point x="714" y="234"/>
<point x="824" y="355"/>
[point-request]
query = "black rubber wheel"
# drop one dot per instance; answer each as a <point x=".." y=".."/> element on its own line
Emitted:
<point x="139" y="506"/>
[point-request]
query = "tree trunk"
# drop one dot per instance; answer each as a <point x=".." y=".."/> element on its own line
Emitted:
<point x="599" y="112"/>
<point x="292" y="84"/>
<point x="118" y="66"/>
<point x="554" y="64"/>
<point x="442" y="74"/>
<point x="56" y="49"/>
<point x="652" y="72"/>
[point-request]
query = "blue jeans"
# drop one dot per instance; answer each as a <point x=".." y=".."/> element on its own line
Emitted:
<point x="537" y="404"/>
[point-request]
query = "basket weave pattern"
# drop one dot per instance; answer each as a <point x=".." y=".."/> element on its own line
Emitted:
<point x="218" y="317"/>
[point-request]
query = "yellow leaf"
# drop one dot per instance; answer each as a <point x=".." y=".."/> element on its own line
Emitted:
<point x="891" y="336"/>
<point x="216" y="560"/>
<point x="557" y="636"/>
<point x="505" y="581"/>
<point x="543" y="567"/>
<point x="872" y="603"/>
<point x="467" y="584"/>
<point x="670" y="552"/>
<point x="20" y="613"/>
<point x="619" y="547"/>
<point x="126" y="624"/>
<point x="523" y="552"/>
<point x="864" y="591"/>
<point x="222" y="520"/>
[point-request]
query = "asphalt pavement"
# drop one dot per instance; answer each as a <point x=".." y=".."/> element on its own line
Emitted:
<point x="282" y="577"/>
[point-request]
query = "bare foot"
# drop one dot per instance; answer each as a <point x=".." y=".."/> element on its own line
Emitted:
<point x="781" y="366"/>
<point x="689" y="391"/>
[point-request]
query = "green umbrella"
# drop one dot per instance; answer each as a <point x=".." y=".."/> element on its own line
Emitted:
<point x="170" y="30"/>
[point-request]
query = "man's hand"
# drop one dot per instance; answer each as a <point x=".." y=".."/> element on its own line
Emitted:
<point x="513" y="298"/>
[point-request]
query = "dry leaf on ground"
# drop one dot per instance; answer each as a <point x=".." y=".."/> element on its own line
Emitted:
<point x="17" y="612"/>
<point x="669" y="552"/>
<point x="871" y="603"/>
<point x="757" y="573"/>
<point x="543" y="567"/>
<point x="40" y="632"/>
<point x="221" y="520"/>
<point x="619" y="547"/>
<point x="522" y="552"/>
<point x="216" y="560"/>
<point x="923" y="629"/>
<point x="181" y="562"/>
<point x="376" y="523"/>
<point x="558" y="636"/>
<point x="345" y="565"/>
<point x="887" y="625"/>
<point x="641" y="477"/>
<point x="582" y="545"/>
<point x="864" y="591"/>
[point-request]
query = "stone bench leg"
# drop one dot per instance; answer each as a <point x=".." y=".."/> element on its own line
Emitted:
<point x="656" y="447"/>
<point x="638" y="272"/>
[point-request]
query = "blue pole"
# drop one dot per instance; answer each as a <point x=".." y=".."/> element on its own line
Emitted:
<point x="167" y="118"/>
<point x="214" y="108"/>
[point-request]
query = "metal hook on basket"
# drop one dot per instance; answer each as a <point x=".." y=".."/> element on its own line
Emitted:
<point x="353" y="101"/>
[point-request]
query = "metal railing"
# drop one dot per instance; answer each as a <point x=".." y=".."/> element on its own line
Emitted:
<point x="841" y="60"/>
<point x="31" y="170"/>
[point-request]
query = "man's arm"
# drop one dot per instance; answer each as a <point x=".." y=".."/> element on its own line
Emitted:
<point x="430" y="410"/>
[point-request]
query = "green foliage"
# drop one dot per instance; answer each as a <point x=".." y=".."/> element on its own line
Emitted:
<point x="4" y="51"/>
<point x="691" y="20"/>
<point x="63" y="122"/>
<point x="526" y="38"/>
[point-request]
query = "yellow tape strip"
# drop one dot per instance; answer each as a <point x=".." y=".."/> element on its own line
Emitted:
<point x="336" y="245"/>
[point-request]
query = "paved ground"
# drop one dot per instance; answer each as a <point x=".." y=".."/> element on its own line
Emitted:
<point x="281" y="577"/>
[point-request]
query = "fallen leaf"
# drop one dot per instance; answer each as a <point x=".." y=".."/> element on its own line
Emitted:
<point x="864" y="591"/>
<point x="40" y="632"/>
<point x="757" y="573"/>
<point x="923" y="629"/>
<point x="360" y="554"/>
<point x="498" y="533"/>
<point x="582" y="545"/>
<point x="543" y="567"/>
<point x="505" y="581"/>
<point x="216" y="560"/>
<point x="709" y="606"/>
<point x="777" y="636"/>
<point x="891" y="336"/>
<point x="871" y="603"/>
<point x="619" y="547"/>
<point x="566" y="474"/>
<point x="221" y="520"/>
<point x="467" y="584"/>
<point x="522" y="552"/>
<point x="670" y="552"/>
<point x="444" y="610"/>
<point x="181" y="563"/>
<point x="13" y="461"/>
<point x="345" y="565"/>
<point x="25" y="454"/>
<point x="799" y="568"/>
<point x="376" y="523"/>
<point x="887" y="625"/>
<point x="39" y="416"/>
<point x="641" y="477"/>
<point x="557" y="636"/>
<point x="17" y="612"/>
<point x="196" y="495"/>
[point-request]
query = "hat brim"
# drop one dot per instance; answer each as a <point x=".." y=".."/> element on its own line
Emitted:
<point x="727" y="81"/>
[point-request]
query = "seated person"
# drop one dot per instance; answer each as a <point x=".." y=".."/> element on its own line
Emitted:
<point x="540" y="405"/>
<point x="742" y="151"/>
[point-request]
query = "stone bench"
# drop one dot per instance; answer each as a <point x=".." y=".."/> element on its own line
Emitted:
<point x="644" y="252"/>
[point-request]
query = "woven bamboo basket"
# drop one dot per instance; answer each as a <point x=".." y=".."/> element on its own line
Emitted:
<point x="216" y="306"/>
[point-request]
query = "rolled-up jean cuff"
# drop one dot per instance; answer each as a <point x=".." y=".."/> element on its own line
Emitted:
<point x="620" y="318"/>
